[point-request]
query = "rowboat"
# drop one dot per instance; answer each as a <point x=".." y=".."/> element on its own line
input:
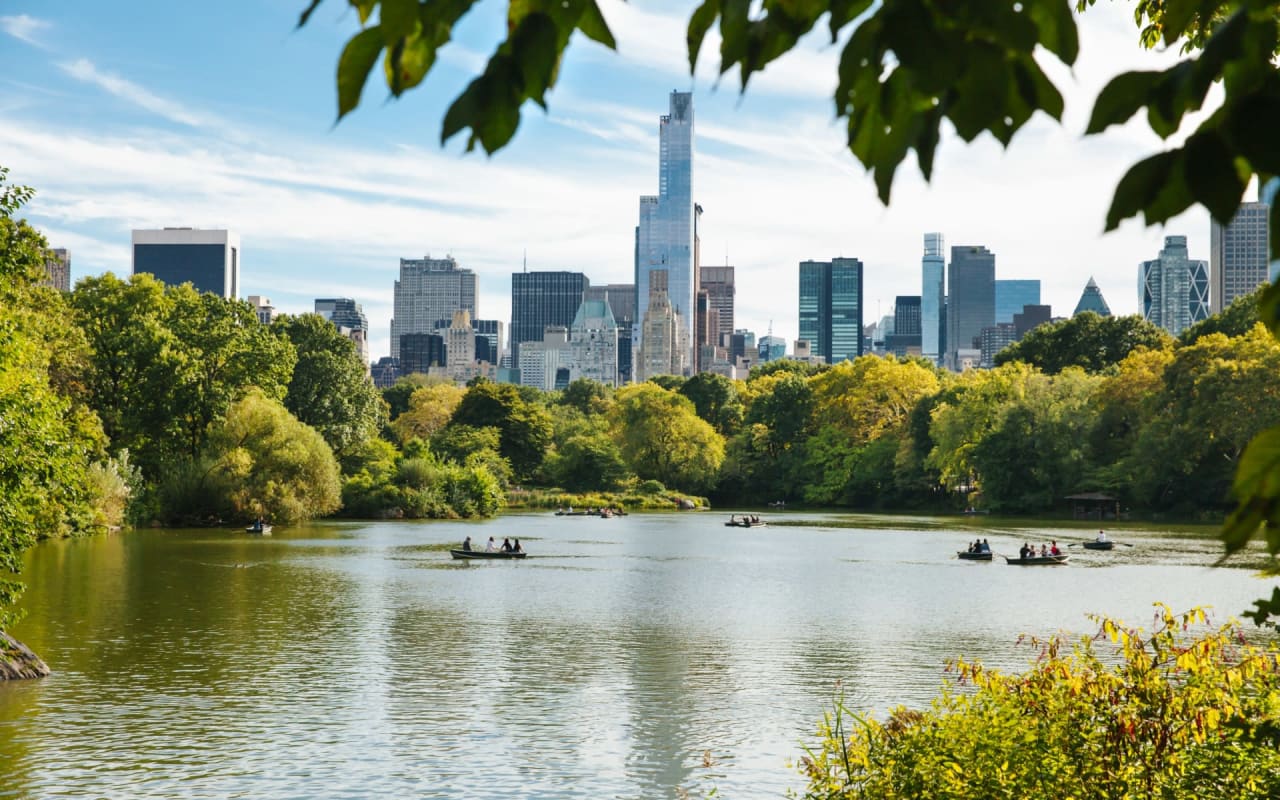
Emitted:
<point x="262" y="530"/>
<point x="484" y="554"/>
<point x="965" y="555"/>
<point x="1099" y="545"/>
<point x="744" y="522"/>
<point x="1037" y="560"/>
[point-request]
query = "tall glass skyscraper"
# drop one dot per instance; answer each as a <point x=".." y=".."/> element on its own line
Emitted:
<point x="1012" y="295"/>
<point x="664" y="238"/>
<point x="1174" y="289"/>
<point x="831" y="308"/>
<point x="207" y="259"/>
<point x="971" y="299"/>
<point x="542" y="299"/>
<point x="932" y="296"/>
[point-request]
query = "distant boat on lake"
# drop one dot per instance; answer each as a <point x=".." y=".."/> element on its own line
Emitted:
<point x="485" y="554"/>
<point x="1037" y="560"/>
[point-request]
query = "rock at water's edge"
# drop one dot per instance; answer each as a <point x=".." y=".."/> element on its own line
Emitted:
<point x="17" y="661"/>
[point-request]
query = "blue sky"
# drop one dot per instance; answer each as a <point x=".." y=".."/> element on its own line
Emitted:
<point x="146" y="114"/>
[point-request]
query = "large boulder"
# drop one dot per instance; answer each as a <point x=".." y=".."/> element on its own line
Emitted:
<point x="17" y="661"/>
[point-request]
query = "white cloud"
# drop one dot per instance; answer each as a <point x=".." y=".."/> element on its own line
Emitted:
<point x="83" y="69"/>
<point x="25" y="28"/>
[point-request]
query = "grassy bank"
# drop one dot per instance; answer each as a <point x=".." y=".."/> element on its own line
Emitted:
<point x="663" y="500"/>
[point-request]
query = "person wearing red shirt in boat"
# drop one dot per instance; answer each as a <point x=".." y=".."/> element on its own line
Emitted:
<point x="1054" y="551"/>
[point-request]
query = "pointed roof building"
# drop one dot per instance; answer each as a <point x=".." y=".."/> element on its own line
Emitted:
<point x="1091" y="299"/>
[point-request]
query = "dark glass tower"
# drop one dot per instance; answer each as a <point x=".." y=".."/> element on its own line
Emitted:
<point x="831" y="308"/>
<point x="971" y="299"/>
<point x="539" y="299"/>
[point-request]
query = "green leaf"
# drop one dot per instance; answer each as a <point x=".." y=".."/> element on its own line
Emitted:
<point x="699" y="23"/>
<point x="1121" y="98"/>
<point x="364" y="8"/>
<point x="1257" y="489"/>
<point x="306" y="14"/>
<point x="398" y="20"/>
<point x="1057" y="26"/>
<point x="1140" y="186"/>
<point x="1211" y="175"/>
<point x="593" y="25"/>
<point x="1177" y="15"/>
<point x="843" y="12"/>
<point x="536" y="54"/>
<point x="357" y="59"/>
<point x="408" y="63"/>
<point x="733" y="32"/>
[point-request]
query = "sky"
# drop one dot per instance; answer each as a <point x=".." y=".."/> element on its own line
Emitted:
<point x="150" y="113"/>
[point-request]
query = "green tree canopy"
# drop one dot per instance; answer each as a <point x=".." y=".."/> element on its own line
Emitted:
<point x="715" y="399"/>
<point x="524" y="429"/>
<point x="1086" y="340"/>
<point x="330" y="389"/>
<point x="1236" y="319"/>
<point x="662" y="438"/>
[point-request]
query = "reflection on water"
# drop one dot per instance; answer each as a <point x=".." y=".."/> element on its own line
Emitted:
<point x="624" y="658"/>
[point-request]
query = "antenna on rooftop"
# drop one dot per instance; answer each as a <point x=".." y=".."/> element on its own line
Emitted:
<point x="524" y="266"/>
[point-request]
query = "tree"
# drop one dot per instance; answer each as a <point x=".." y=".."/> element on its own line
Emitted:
<point x="1236" y="319"/>
<point x="1086" y="340"/>
<point x="589" y="463"/>
<point x="428" y="411"/>
<point x="48" y="443"/>
<point x="397" y="395"/>
<point x="329" y="389"/>
<point x="715" y="399"/>
<point x="259" y="461"/>
<point x="587" y="396"/>
<point x="959" y="425"/>
<point x="662" y="438"/>
<point x="524" y="429"/>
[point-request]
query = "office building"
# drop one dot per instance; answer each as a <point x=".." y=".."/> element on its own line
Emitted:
<point x="1031" y="317"/>
<point x="545" y="363"/>
<point x="262" y="308"/>
<point x="1173" y="290"/>
<point x="906" y="337"/>
<point x="971" y="300"/>
<point x="209" y="260"/>
<point x="1239" y="254"/>
<point x="593" y="344"/>
<point x="772" y="348"/>
<point x="715" y="318"/>
<point x="348" y="316"/>
<point x="488" y="334"/>
<point x="419" y="352"/>
<point x="1012" y="295"/>
<point x="994" y="339"/>
<point x="665" y="235"/>
<point x="386" y="372"/>
<point x="540" y="300"/>
<point x="459" y="347"/>
<point x="1091" y="299"/>
<point x="664" y="338"/>
<point x="933" y="297"/>
<point x="831" y="308"/>
<point x="58" y="270"/>
<point x="621" y="298"/>
<point x="429" y="289"/>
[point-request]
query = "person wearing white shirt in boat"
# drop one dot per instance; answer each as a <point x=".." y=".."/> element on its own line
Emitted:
<point x="491" y="547"/>
<point x="1102" y="537"/>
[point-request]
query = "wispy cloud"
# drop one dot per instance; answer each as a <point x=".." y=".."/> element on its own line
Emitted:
<point x="25" y="27"/>
<point x="85" y="70"/>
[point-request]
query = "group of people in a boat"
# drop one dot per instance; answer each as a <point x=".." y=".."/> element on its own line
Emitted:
<point x="1046" y="550"/>
<point x="979" y="546"/>
<point x="507" y="546"/>
<point x="753" y="519"/>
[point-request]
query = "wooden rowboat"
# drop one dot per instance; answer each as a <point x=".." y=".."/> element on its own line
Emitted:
<point x="965" y="555"/>
<point x="1099" y="545"/>
<point x="1037" y="560"/>
<point x="484" y="554"/>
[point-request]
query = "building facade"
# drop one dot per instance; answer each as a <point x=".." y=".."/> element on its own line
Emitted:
<point x="933" y="296"/>
<point x="540" y="300"/>
<point x="429" y="289"/>
<point x="621" y="298"/>
<point x="349" y="317"/>
<point x="717" y="322"/>
<point x="665" y="235"/>
<point x="1029" y="318"/>
<point x="1239" y="254"/>
<point x="420" y="352"/>
<point x="262" y="308"/>
<point x="1091" y="299"/>
<point x="1173" y="290"/>
<point x="664" y="338"/>
<point x="831" y="308"/>
<point x="542" y="362"/>
<point x="1012" y="295"/>
<point x="207" y="259"/>
<point x="971" y="300"/>
<point x="58" y="270"/>
<point x="593" y="344"/>
<point x="906" y="339"/>
<point x="994" y="339"/>
<point x="772" y="348"/>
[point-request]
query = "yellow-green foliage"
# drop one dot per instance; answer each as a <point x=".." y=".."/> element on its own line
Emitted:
<point x="1169" y="716"/>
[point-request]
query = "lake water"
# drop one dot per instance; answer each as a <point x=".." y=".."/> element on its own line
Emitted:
<point x="625" y="658"/>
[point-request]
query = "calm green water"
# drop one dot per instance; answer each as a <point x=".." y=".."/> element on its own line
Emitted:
<point x="359" y="660"/>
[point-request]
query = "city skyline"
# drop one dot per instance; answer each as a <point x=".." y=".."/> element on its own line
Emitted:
<point x="328" y="211"/>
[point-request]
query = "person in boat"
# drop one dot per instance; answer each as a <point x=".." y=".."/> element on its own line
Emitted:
<point x="506" y="545"/>
<point x="984" y="547"/>
<point x="466" y="544"/>
<point x="1054" y="551"/>
<point x="491" y="547"/>
<point x="516" y="548"/>
<point x="1044" y="551"/>
<point x="1102" y="537"/>
<point x="1025" y="551"/>
<point x="973" y="548"/>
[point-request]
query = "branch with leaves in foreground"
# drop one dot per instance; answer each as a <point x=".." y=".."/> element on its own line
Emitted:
<point x="907" y="67"/>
